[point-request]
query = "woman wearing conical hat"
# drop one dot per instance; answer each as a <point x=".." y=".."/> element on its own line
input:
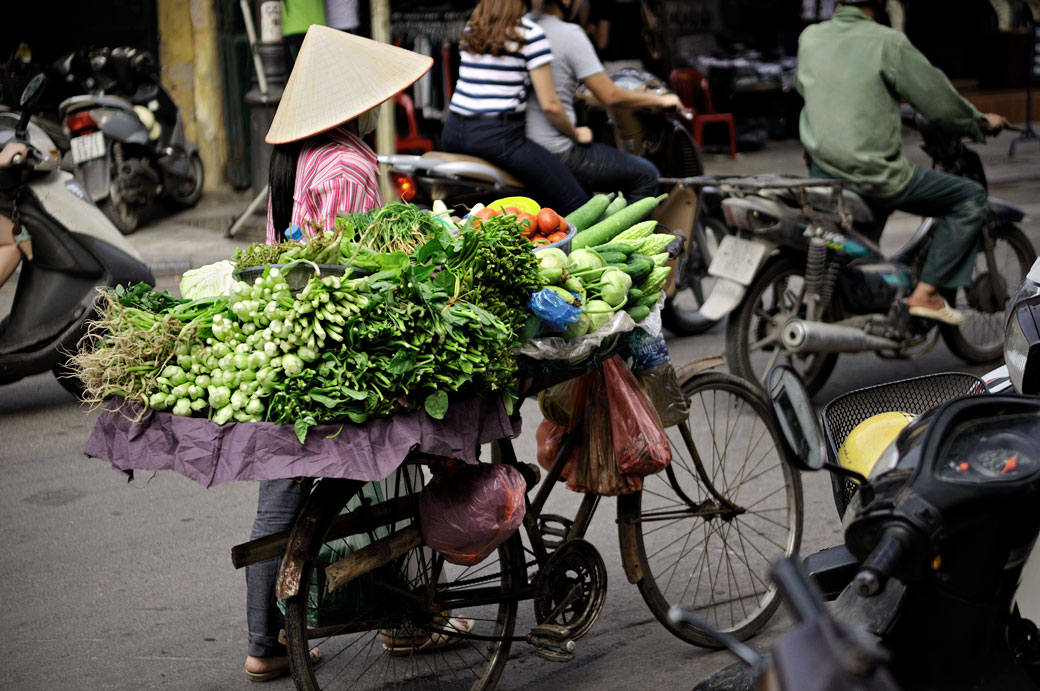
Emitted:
<point x="320" y="166"/>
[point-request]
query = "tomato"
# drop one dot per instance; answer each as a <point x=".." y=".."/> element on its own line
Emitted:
<point x="511" y="211"/>
<point x="527" y="223"/>
<point x="484" y="214"/>
<point x="539" y="240"/>
<point x="557" y="236"/>
<point x="548" y="220"/>
<point x="564" y="226"/>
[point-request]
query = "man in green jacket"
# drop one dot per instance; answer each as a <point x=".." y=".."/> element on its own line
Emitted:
<point x="852" y="73"/>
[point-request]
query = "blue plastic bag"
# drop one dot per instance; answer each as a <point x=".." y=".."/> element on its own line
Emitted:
<point x="554" y="311"/>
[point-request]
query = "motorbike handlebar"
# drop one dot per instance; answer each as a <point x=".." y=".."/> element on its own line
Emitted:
<point x="800" y="592"/>
<point x="882" y="562"/>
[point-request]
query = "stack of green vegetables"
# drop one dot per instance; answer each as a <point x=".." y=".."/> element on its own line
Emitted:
<point x="433" y="319"/>
<point x="617" y="263"/>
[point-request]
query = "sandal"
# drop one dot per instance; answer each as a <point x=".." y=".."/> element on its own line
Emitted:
<point x="430" y="642"/>
<point x="945" y="314"/>
<point x="270" y="674"/>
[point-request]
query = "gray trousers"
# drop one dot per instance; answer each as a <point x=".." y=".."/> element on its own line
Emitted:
<point x="278" y="503"/>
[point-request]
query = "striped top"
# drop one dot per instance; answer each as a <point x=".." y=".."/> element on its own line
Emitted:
<point x="492" y="84"/>
<point x="336" y="171"/>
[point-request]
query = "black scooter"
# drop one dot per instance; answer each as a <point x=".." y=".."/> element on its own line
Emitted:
<point x="76" y="251"/>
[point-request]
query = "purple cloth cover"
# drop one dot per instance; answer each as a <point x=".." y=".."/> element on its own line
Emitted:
<point x="252" y="451"/>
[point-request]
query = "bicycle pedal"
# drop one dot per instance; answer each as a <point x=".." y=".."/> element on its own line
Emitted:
<point x="553" y="526"/>
<point x="552" y="643"/>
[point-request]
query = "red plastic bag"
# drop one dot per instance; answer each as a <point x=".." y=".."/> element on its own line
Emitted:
<point x="467" y="512"/>
<point x="640" y="444"/>
<point x="549" y="437"/>
<point x="596" y="470"/>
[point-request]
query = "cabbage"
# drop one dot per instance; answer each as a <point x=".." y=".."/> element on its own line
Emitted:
<point x="210" y="281"/>
<point x="613" y="286"/>
<point x="583" y="260"/>
<point x="551" y="262"/>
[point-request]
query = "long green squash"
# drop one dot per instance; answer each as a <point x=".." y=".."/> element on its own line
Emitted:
<point x="586" y="214"/>
<point x="604" y="231"/>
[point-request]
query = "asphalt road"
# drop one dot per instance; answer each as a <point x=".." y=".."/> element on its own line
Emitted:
<point x="107" y="584"/>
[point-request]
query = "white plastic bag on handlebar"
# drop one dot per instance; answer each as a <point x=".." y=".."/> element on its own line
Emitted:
<point x="577" y="349"/>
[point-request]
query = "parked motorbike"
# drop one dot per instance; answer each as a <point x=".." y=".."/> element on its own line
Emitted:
<point x="805" y="279"/>
<point x="76" y="250"/>
<point x="461" y="181"/>
<point x="127" y="136"/>
<point x="818" y="654"/>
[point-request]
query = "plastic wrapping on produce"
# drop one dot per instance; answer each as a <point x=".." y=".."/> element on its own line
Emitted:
<point x="555" y="312"/>
<point x="653" y="324"/>
<point x="577" y="349"/>
<point x="662" y="386"/>
<point x="468" y="511"/>
<point x="640" y="445"/>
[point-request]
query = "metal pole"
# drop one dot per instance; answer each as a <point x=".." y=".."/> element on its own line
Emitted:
<point x="380" y="10"/>
<point x="247" y="16"/>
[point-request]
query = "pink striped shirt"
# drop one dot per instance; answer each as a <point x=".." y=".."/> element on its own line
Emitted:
<point x="336" y="171"/>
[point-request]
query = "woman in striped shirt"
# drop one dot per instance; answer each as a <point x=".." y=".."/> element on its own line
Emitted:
<point x="502" y="53"/>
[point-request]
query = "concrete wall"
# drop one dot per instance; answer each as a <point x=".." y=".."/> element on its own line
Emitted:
<point x="191" y="73"/>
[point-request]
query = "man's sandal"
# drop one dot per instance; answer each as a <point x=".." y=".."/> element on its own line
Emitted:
<point x="281" y="671"/>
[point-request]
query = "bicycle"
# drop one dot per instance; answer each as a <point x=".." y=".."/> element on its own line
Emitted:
<point x="703" y="533"/>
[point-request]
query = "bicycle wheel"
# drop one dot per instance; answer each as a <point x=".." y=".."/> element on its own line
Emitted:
<point x="980" y="338"/>
<point x="707" y="530"/>
<point x="376" y="630"/>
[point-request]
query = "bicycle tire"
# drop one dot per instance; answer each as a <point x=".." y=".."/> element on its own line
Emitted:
<point x="403" y="600"/>
<point x="707" y="514"/>
<point x="980" y="338"/>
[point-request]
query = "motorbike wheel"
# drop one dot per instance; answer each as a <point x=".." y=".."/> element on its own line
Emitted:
<point x="123" y="215"/>
<point x="998" y="272"/>
<point x="188" y="193"/>
<point x="681" y="312"/>
<point x="753" y="330"/>
<point x="68" y="380"/>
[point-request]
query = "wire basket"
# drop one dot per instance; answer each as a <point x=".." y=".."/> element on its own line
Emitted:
<point x="914" y="396"/>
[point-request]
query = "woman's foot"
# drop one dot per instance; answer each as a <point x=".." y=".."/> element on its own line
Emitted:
<point x="268" y="668"/>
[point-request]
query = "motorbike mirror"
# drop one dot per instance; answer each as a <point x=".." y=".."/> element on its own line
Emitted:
<point x="793" y="410"/>
<point x="30" y="97"/>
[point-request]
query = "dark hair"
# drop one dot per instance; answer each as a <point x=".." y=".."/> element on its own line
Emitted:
<point x="281" y="183"/>
<point x="492" y="24"/>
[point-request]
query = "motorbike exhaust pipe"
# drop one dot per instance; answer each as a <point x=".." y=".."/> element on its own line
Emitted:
<point x="799" y="336"/>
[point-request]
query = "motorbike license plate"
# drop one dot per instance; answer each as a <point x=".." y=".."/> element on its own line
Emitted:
<point x="736" y="259"/>
<point x="88" y="147"/>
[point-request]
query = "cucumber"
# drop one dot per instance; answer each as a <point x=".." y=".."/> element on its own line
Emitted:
<point x="638" y="312"/>
<point x="649" y="299"/>
<point x="586" y="214"/>
<point x="639" y="267"/>
<point x="625" y="248"/>
<point x="613" y="257"/>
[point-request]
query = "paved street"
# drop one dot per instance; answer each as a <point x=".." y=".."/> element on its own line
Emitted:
<point x="114" y="585"/>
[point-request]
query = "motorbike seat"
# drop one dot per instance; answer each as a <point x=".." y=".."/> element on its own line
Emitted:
<point x="505" y="175"/>
<point x="820" y="198"/>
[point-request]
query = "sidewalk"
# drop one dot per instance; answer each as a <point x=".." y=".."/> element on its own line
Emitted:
<point x="192" y="238"/>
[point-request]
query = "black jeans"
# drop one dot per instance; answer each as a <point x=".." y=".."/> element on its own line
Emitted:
<point x="503" y="143"/>
<point x="601" y="168"/>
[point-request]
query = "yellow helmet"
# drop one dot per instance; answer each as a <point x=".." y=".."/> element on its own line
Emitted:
<point x="863" y="447"/>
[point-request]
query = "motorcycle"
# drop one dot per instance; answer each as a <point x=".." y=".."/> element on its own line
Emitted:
<point x="127" y="138"/>
<point x="940" y="523"/>
<point x="76" y="251"/>
<point x="818" y="654"/>
<point x="462" y="181"/>
<point x="803" y="280"/>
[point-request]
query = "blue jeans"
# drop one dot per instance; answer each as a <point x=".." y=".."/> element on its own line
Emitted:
<point x="601" y="168"/>
<point x="961" y="206"/>
<point x="277" y="505"/>
<point x="503" y="143"/>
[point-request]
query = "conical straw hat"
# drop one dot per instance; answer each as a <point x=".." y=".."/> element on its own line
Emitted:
<point x="338" y="76"/>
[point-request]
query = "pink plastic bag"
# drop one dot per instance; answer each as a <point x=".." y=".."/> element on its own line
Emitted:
<point x="640" y="444"/>
<point x="468" y="511"/>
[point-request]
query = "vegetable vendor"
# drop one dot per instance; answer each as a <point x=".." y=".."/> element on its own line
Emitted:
<point x="320" y="166"/>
